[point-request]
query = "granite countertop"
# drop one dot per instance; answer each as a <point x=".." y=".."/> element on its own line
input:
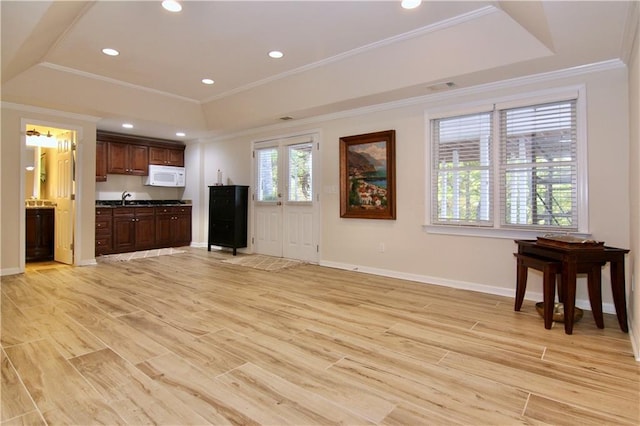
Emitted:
<point x="39" y="204"/>
<point x="142" y="203"/>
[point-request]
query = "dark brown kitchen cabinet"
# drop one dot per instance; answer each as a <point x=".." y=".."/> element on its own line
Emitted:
<point x="166" y="156"/>
<point x="173" y="226"/>
<point x="133" y="229"/>
<point x="228" y="216"/>
<point x="127" y="159"/>
<point x="101" y="161"/>
<point x="39" y="233"/>
<point x="104" y="230"/>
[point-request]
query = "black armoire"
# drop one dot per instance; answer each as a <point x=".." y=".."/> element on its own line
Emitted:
<point x="228" y="216"/>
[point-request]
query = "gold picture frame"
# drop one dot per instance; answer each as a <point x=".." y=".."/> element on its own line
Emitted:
<point x="368" y="175"/>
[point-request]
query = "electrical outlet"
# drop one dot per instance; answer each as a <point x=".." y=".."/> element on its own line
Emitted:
<point x="381" y="247"/>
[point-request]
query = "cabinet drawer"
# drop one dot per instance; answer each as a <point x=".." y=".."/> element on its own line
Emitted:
<point x="173" y="210"/>
<point x="123" y="211"/>
<point x="103" y="211"/>
<point x="223" y="208"/>
<point x="222" y="232"/>
<point x="103" y="225"/>
<point x="223" y="191"/>
<point x="103" y="244"/>
<point x="144" y="211"/>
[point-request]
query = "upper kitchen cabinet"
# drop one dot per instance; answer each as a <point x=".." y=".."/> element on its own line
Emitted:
<point x="132" y="155"/>
<point x="126" y="159"/>
<point x="101" y="161"/>
<point x="166" y="156"/>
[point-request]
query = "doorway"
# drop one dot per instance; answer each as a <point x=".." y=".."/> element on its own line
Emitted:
<point x="285" y="198"/>
<point x="50" y="186"/>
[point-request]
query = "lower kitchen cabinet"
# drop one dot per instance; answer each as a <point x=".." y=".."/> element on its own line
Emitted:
<point x="104" y="230"/>
<point x="39" y="234"/>
<point x="126" y="229"/>
<point x="173" y="226"/>
<point x="133" y="229"/>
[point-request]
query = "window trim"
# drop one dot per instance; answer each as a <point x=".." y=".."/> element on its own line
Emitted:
<point x="577" y="92"/>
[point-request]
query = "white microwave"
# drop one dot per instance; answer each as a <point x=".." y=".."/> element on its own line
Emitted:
<point x="165" y="176"/>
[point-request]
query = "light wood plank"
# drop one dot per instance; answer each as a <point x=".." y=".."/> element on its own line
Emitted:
<point x="70" y="339"/>
<point x="272" y="400"/>
<point x="54" y="384"/>
<point x="198" y="389"/>
<point x="32" y="418"/>
<point x="191" y="349"/>
<point x="126" y="340"/>
<point x="15" y="400"/>
<point x="134" y="395"/>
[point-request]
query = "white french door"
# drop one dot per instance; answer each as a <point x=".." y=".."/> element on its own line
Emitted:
<point x="285" y="199"/>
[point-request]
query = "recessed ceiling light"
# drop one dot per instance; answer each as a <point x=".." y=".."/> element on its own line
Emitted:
<point x="180" y="134"/>
<point x="110" y="52"/>
<point x="411" y="4"/>
<point x="172" y="5"/>
<point x="127" y="126"/>
<point x="276" y="54"/>
<point x="207" y="81"/>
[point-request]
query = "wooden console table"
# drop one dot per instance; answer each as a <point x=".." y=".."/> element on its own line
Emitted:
<point x="576" y="257"/>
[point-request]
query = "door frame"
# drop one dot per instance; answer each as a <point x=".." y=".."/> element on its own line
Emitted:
<point x="78" y="184"/>
<point x="316" y="135"/>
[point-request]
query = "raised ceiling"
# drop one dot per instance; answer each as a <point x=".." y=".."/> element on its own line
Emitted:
<point x="337" y="55"/>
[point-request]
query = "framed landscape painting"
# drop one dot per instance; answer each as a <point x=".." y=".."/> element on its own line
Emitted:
<point x="367" y="176"/>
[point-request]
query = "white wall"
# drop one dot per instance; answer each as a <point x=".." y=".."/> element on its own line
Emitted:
<point x="12" y="177"/>
<point x="470" y="262"/>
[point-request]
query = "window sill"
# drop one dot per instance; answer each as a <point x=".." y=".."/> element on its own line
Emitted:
<point x="514" y="234"/>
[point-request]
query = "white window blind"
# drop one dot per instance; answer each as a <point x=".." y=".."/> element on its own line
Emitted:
<point x="461" y="170"/>
<point x="538" y="166"/>
<point x="267" y="176"/>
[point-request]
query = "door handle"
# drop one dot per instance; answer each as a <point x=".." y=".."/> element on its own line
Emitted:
<point x="279" y="203"/>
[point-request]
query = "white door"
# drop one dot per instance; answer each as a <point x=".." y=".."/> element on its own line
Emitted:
<point x="284" y="199"/>
<point x="65" y="180"/>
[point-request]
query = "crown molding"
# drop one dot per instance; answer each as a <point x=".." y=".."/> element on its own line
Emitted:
<point x="613" y="64"/>
<point x="114" y="81"/>
<point x="52" y="112"/>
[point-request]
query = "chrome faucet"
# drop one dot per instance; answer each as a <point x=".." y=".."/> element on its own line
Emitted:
<point x="124" y="196"/>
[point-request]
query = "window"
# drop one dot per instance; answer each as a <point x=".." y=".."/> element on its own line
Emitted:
<point x="300" y="166"/>
<point x="267" y="185"/>
<point x="508" y="167"/>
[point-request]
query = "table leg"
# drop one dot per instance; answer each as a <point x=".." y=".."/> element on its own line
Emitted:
<point x="521" y="284"/>
<point x="549" y="290"/>
<point x="569" y="270"/>
<point x="595" y="293"/>
<point x="618" y="291"/>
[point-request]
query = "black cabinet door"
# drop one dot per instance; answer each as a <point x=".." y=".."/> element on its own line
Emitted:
<point x="228" y="207"/>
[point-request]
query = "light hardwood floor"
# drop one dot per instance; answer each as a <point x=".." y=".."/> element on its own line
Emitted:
<point x="187" y="339"/>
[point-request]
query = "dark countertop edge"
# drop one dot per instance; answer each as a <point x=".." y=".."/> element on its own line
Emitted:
<point x="39" y="207"/>
<point x="106" y="206"/>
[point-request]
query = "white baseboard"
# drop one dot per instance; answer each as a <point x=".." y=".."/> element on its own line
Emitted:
<point x="635" y="343"/>
<point x="10" y="271"/>
<point x="584" y="304"/>
<point x="87" y="262"/>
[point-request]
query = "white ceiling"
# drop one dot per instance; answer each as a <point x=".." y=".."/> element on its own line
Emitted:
<point x="338" y="55"/>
